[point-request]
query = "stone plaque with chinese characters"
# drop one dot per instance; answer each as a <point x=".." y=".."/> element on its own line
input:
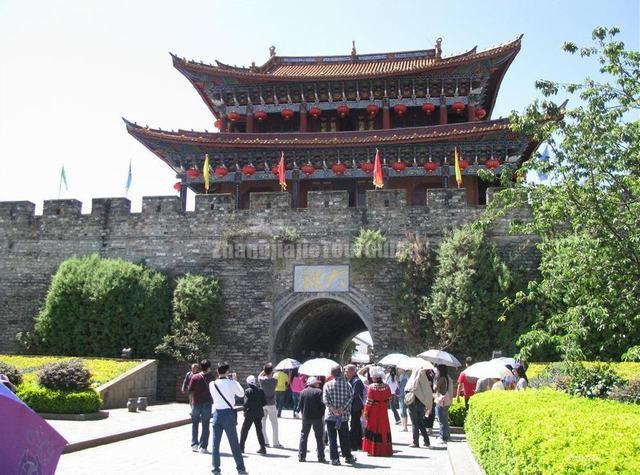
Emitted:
<point x="321" y="278"/>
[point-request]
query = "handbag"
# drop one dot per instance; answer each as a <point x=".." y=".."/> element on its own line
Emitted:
<point x="235" y="415"/>
<point x="444" y="400"/>
<point x="409" y="398"/>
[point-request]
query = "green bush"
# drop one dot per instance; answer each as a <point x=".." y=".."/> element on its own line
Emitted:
<point x="198" y="298"/>
<point x="548" y="432"/>
<point x="185" y="343"/>
<point x="457" y="413"/>
<point x="42" y="399"/>
<point x="11" y="372"/>
<point x="632" y="354"/>
<point x="96" y="307"/>
<point x="628" y="392"/>
<point x="65" y="375"/>
<point x="593" y="380"/>
<point x="369" y="244"/>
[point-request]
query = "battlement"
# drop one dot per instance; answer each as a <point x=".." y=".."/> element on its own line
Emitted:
<point x="217" y="204"/>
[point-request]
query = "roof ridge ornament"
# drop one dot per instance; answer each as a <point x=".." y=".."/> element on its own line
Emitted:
<point x="354" y="53"/>
<point x="438" y="48"/>
<point x="272" y="51"/>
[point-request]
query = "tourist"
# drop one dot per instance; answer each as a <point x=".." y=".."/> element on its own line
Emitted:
<point x="254" y="402"/>
<point x="223" y="391"/>
<point x="357" y="405"/>
<point x="337" y="396"/>
<point x="483" y="384"/>
<point x="523" y="381"/>
<point x="392" y="382"/>
<point x="282" y="379"/>
<point x="268" y="383"/>
<point x="403" y="377"/>
<point x="498" y="384"/>
<point x="297" y="386"/>
<point x="430" y="416"/>
<point x="201" y="408"/>
<point x="443" y="399"/>
<point x="466" y="385"/>
<point x="419" y="399"/>
<point x="510" y="380"/>
<point x="195" y="368"/>
<point x="377" y="433"/>
<point x="312" y="410"/>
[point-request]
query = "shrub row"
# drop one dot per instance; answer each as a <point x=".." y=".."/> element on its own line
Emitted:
<point x="41" y="399"/>
<point x="549" y="432"/>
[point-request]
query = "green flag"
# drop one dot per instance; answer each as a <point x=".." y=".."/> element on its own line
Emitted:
<point x="63" y="179"/>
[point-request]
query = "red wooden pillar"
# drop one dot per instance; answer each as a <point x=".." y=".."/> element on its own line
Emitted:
<point x="443" y="110"/>
<point x="386" y="115"/>
<point x="249" y="128"/>
<point x="303" y="119"/>
<point x="471" y="112"/>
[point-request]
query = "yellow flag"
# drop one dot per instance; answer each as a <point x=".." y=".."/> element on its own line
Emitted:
<point x="456" y="163"/>
<point x="205" y="173"/>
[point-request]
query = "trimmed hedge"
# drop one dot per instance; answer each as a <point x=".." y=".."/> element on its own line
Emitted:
<point x="549" y="432"/>
<point x="628" y="370"/>
<point x="102" y="370"/>
<point x="457" y="413"/>
<point x="59" y="401"/>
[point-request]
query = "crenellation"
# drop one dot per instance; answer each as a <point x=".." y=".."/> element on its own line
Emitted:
<point x="215" y="203"/>
<point x="328" y="199"/>
<point x="377" y="199"/>
<point x="102" y="207"/>
<point x="61" y="208"/>
<point x="269" y="200"/>
<point x="154" y="205"/>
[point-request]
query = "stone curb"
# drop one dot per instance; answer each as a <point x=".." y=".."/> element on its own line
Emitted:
<point x="89" y="416"/>
<point x="109" y="439"/>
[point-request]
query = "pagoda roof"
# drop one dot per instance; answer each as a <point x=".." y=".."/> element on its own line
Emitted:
<point x="314" y="68"/>
<point x="217" y="140"/>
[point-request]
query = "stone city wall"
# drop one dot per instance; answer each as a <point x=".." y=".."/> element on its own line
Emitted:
<point x="252" y="251"/>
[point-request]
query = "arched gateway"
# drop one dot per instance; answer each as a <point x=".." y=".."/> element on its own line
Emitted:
<point x="317" y="324"/>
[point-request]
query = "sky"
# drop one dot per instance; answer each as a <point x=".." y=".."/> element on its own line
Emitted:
<point x="69" y="70"/>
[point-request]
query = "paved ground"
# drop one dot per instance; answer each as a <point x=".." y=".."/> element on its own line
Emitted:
<point x="168" y="452"/>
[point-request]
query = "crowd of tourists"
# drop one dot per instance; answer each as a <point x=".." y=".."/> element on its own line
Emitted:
<point x="347" y="410"/>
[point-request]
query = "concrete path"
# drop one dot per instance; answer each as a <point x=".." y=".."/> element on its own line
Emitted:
<point x="168" y="451"/>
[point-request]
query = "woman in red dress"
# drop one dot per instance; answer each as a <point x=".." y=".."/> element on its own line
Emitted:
<point x="377" y="433"/>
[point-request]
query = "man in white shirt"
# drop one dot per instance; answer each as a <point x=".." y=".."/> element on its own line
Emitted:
<point x="224" y="391"/>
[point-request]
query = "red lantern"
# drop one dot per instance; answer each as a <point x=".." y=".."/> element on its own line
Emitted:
<point x="218" y="124"/>
<point x="342" y="110"/>
<point x="457" y="106"/>
<point x="274" y="170"/>
<point x="338" y="168"/>
<point x="400" y="109"/>
<point x="430" y="166"/>
<point x="315" y="112"/>
<point x="177" y="185"/>
<point x="463" y="164"/>
<point x="287" y="114"/>
<point x="398" y="166"/>
<point x="221" y="171"/>
<point x="366" y="167"/>
<point x="193" y="173"/>
<point x="372" y="110"/>
<point x="480" y="113"/>
<point x="492" y="163"/>
<point x="307" y="169"/>
<point x="233" y="116"/>
<point x="248" y="169"/>
<point x="428" y="108"/>
<point x="260" y="115"/>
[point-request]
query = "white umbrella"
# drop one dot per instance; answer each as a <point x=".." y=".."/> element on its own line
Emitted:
<point x="392" y="359"/>
<point x="287" y="363"/>
<point x="504" y="360"/>
<point x="317" y="367"/>
<point x="440" y="357"/>
<point x="412" y="362"/>
<point x="487" y="369"/>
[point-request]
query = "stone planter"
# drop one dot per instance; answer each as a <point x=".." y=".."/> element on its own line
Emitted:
<point x="132" y="404"/>
<point x="142" y="403"/>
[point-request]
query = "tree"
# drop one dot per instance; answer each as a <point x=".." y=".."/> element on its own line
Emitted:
<point x="588" y="217"/>
<point x="96" y="307"/>
<point x="469" y="284"/>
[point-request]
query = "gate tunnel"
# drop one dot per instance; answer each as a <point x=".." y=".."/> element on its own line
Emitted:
<point x="321" y="328"/>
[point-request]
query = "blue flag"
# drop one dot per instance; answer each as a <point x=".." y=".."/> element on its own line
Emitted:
<point x="128" y="185"/>
<point x="544" y="158"/>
